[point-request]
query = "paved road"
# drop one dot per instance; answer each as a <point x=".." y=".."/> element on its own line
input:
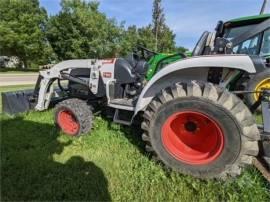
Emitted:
<point x="17" y="79"/>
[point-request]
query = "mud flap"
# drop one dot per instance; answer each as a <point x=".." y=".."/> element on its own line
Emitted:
<point x="17" y="102"/>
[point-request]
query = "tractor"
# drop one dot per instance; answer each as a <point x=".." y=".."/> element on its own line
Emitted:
<point x="247" y="35"/>
<point x="191" y="121"/>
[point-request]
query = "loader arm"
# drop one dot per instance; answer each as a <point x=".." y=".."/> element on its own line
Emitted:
<point x="44" y="90"/>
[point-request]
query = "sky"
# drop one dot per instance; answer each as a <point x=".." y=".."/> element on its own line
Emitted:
<point x="187" y="18"/>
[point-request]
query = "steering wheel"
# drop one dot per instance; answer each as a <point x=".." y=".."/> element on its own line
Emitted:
<point x="144" y="52"/>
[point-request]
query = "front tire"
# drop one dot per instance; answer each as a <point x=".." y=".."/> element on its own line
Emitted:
<point x="200" y="130"/>
<point x="73" y="116"/>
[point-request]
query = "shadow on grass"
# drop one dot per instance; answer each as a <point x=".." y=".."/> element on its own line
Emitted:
<point x="133" y="133"/>
<point x="29" y="171"/>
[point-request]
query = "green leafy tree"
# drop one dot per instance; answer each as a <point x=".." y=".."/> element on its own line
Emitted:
<point x="81" y="31"/>
<point x="133" y="36"/>
<point x="181" y="49"/>
<point x="22" y="32"/>
<point x="155" y="36"/>
<point x="146" y="37"/>
<point x="129" y="40"/>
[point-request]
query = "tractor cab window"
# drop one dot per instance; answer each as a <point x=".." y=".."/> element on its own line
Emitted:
<point x="265" y="49"/>
<point x="231" y="33"/>
<point x="249" y="47"/>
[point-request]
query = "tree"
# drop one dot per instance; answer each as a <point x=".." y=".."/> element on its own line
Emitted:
<point x="146" y="37"/>
<point x="81" y="31"/>
<point x="22" y="31"/>
<point x="133" y="36"/>
<point x="158" y="20"/>
<point x="155" y="36"/>
<point x="181" y="49"/>
<point x="164" y="37"/>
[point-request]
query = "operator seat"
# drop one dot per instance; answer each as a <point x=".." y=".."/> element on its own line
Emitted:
<point x="123" y="71"/>
<point x="131" y="58"/>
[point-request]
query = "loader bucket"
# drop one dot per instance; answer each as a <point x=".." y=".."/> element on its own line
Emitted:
<point x="17" y="101"/>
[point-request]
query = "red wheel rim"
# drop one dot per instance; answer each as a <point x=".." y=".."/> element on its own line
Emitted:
<point x="67" y="122"/>
<point x="192" y="137"/>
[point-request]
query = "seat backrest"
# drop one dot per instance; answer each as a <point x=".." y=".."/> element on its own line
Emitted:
<point x="123" y="71"/>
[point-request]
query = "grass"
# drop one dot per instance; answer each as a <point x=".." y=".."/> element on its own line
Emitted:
<point x="14" y="88"/>
<point x="16" y="71"/>
<point x="39" y="163"/>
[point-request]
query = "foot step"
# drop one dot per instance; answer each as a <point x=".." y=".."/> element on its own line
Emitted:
<point x="123" y="117"/>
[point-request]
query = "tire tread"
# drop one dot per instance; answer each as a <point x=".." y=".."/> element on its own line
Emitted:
<point x="236" y="108"/>
<point x="82" y="112"/>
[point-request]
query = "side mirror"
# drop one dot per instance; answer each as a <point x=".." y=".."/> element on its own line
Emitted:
<point x="223" y="46"/>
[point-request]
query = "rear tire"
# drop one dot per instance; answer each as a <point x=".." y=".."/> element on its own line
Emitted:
<point x="200" y="130"/>
<point x="74" y="117"/>
<point x="259" y="81"/>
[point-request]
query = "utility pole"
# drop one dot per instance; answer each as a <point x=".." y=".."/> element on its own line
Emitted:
<point x="265" y="2"/>
<point x="156" y="38"/>
<point x="158" y="20"/>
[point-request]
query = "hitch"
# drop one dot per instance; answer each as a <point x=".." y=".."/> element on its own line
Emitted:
<point x="266" y="110"/>
<point x="263" y="160"/>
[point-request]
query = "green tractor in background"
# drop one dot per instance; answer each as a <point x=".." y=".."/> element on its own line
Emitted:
<point x="248" y="35"/>
<point x="257" y="43"/>
<point x="156" y="61"/>
<point x="160" y="60"/>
